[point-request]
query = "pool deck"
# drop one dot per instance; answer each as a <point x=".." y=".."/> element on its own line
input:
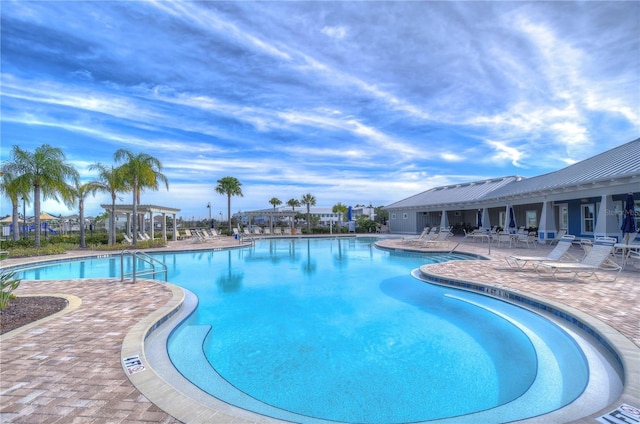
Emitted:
<point x="68" y="367"/>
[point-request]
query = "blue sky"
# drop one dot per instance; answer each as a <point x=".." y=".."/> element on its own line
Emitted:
<point x="353" y="102"/>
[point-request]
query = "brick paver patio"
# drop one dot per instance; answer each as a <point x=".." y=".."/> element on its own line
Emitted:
<point x="67" y="369"/>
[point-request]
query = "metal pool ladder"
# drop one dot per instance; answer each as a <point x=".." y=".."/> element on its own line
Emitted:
<point x="151" y="261"/>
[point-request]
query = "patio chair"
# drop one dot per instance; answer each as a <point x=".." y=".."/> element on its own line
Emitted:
<point x="598" y="259"/>
<point x="504" y="238"/>
<point x="559" y="252"/>
<point x="527" y="238"/>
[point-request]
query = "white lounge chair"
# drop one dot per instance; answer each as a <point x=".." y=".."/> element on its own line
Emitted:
<point x="424" y="235"/>
<point x="127" y="239"/>
<point x="440" y="237"/>
<point x="557" y="237"/>
<point x="557" y="254"/>
<point x="598" y="259"/>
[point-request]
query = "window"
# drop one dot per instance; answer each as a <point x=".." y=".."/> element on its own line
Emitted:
<point x="531" y="219"/>
<point x="588" y="218"/>
<point x="393" y="216"/>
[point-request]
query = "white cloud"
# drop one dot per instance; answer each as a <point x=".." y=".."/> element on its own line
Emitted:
<point x="337" y="32"/>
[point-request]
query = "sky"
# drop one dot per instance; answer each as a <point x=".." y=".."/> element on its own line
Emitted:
<point x="356" y="102"/>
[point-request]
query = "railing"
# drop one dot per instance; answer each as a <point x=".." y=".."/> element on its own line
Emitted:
<point x="138" y="255"/>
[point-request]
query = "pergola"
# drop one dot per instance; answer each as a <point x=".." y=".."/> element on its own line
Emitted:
<point x="270" y="213"/>
<point x="143" y="210"/>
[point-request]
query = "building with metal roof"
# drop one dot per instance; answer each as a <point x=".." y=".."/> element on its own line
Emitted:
<point x="585" y="198"/>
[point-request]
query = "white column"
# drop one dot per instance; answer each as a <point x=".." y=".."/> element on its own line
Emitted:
<point x="486" y="223"/>
<point x="444" y="220"/>
<point x="151" y="225"/>
<point x="606" y="220"/>
<point x="547" y="225"/>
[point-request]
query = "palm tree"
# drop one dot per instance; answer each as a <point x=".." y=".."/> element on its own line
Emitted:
<point x="309" y="200"/>
<point x="294" y="203"/>
<point x="231" y="187"/>
<point x="275" y="202"/>
<point x="12" y="189"/>
<point x="140" y="171"/>
<point x="340" y="209"/>
<point x="47" y="171"/>
<point x="111" y="181"/>
<point x="81" y="192"/>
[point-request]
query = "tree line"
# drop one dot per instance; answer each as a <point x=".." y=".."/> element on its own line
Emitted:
<point x="45" y="174"/>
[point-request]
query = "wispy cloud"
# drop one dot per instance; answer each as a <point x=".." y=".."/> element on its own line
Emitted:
<point x="355" y="102"/>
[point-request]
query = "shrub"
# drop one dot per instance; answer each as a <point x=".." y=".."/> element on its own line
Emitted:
<point x="7" y="285"/>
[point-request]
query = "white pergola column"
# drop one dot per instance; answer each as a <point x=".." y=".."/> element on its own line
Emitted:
<point x="151" y="229"/>
<point x="128" y="225"/>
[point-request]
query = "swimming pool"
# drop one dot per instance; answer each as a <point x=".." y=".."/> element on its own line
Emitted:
<point x="313" y="330"/>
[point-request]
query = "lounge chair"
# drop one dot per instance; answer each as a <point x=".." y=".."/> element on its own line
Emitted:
<point x="127" y="239"/>
<point x="557" y="237"/>
<point x="266" y="231"/>
<point x="557" y="254"/>
<point x="423" y="235"/>
<point x="287" y="231"/>
<point x="441" y="237"/>
<point x="598" y="259"/>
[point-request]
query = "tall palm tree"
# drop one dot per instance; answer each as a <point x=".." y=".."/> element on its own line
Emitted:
<point x="308" y="200"/>
<point x="231" y="187"/>
<point x="110" y="180"/>
<point x="275" y="202"/>
<point x="140" y="171"/>
<point x="340" y="209"/>
<point x="81" y="192"/>
<point x="46" y="171"/>
<point x="294" y="203"/>
<point x="14" y="191"/>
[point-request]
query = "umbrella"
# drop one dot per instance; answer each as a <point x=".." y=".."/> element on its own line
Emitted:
<point x="479" y="218"/>
<point x="9" y="219"/>
<point x="512" y="220"/>
<point x="47" y="217"/>
<point x="629" y="218"/>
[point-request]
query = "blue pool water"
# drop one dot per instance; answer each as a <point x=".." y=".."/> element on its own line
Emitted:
<point x="315" y="330"/>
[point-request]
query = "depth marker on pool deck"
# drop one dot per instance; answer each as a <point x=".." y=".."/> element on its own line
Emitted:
<point x="133" y="364"/>
<point x="624" y="414"/>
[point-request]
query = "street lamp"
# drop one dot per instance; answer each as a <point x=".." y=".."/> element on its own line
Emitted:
<point x="24" y="216"/>
<point x="209" y="207"/>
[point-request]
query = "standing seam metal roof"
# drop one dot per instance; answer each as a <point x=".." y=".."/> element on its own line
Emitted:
<point x="620" y="162"/>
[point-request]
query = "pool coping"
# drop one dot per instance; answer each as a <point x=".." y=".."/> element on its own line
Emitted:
<point x="622" y="349"/>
